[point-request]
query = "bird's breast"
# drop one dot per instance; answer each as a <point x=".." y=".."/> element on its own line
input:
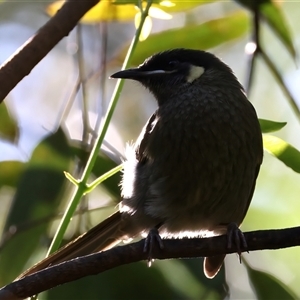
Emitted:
<point x="200" y="165"/>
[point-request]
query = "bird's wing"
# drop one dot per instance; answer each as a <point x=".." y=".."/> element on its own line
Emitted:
<point x="143" y="139"/>
<point x="252" y="190"/>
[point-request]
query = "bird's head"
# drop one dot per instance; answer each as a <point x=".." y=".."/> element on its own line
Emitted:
<point x="174" y="71"/>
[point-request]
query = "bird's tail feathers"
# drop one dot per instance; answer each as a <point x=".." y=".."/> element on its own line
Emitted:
<point x="212" y="265"/>
<point x="101" y="237"/>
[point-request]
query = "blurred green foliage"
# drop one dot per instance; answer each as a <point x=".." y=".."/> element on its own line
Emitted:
<point x="40" y="190"/>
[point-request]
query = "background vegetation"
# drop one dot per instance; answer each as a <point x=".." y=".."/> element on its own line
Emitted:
<point x="49" y="123"/>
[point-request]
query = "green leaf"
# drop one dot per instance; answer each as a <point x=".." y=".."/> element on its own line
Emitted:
<point x="182" y="5"/>
<point x="137" y="284"/>
<point x="274" y="17"/>
<point x="37" y="196"/>
<point x="104" y="11"/>
<point x="270" y="126"/>
<point x="10" y="172"/>
<point x="53" y="152"/>
<point x="267" y="286"/>
<point x="203" y="36"/>
<point x="9" y="129"/>
<point x="196" y="281"/>
<point x="285" y="152"/>
<point x="135" y="2"/>
<point x="168" y="6"/>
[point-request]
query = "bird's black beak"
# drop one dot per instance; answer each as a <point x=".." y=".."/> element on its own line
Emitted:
<point x="128" y="74"/>
<point x="135" y="74"/>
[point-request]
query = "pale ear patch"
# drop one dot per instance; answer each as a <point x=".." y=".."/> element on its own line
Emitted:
<point x="194" y="73"/>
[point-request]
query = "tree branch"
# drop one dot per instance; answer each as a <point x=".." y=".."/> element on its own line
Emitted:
<point x="179" y="248"/>
<point x="37" y="47"/>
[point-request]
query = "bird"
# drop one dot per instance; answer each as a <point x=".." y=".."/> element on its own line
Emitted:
<point x="193" y="169"/>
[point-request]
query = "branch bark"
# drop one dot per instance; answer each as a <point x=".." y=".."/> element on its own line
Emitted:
<point x="37" y="47"/>
<point x="181" y="248"/>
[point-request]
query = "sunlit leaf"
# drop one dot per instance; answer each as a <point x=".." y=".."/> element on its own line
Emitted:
<point x="167" y="3"/>
<point x="9" y="129"/>
<point x="134" y="2"/>
<point x="270" y="126"/>
<point x="285" y="152"/>
<point x="170" y="6"/>
<point x="267" y="286"/>
<point x="105" y="10"/>
<point x="181" y="5"/>
<point x="273" y="15"/>
<point x="203" y="36"/>
<point x="125" y="10"/>
<point x="158" y="13"/>
<point x="146" y="30"/>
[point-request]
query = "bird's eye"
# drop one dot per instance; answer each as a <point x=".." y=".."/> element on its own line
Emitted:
<point x="174" y="64"/>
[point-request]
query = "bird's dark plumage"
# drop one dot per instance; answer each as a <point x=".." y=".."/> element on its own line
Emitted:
<point x="193" y="169"/>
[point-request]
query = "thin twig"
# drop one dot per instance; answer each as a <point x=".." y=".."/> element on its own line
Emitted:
<point x="253" y="56"/>
<point x="280" y="80"/>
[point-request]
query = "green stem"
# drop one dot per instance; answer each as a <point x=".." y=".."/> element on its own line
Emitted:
<point x="103" y="177"/>
<point x="82" y="187"/>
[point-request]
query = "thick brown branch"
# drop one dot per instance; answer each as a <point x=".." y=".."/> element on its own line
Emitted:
<point x="37" y="47"/>
<point x="184" y="248"/>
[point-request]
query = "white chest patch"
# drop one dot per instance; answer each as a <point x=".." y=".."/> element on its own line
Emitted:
<point x="194" y="73"/>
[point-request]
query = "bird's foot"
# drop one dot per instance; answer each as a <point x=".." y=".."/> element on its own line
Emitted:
<point x="152" y="237"/>
<point x="236" y="236"/>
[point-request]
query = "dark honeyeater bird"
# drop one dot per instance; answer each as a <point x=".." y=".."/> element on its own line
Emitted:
<point x="194" y="166"/>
